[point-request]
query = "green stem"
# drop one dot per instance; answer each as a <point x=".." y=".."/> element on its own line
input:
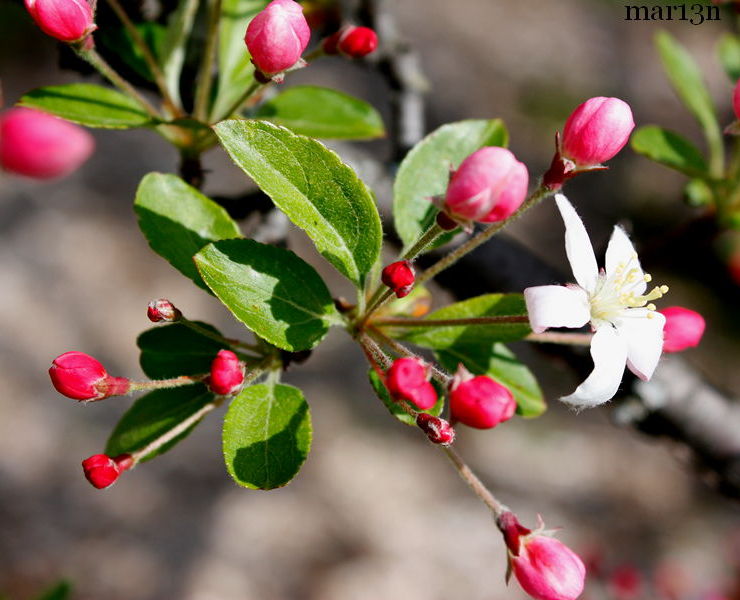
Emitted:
<point x="205" y="76"/>
<point x="715" y="142"/>
<point x="481" y="238"/>
<point x="234" y="108"/>
<point x="159" y="384"/>
<point x="402" y="350"/>
<point x="404" y="322"/>
<point x="97" y="61"/>
<point x="149" y="59"/>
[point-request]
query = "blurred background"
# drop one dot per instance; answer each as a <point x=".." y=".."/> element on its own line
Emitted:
<point x="375" y="512"/>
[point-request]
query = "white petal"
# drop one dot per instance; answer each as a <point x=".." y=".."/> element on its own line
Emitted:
<point x="621" y="252"/>
<point x="609" y="352"/>
<point x="556" y="306"/>
<point x="578" y="246"/>
<point x="644" y="338"/>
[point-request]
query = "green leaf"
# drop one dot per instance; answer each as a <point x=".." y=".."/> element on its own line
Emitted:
<point x="499" y="363"/>
<point x="728" y="49"/>
<point x="176" y="349"/>
<point x="266" y="436"/>
<point x="89" y="105"/>
<point x="425" y="171"/>
<point x="153" y="415"/>
<point x="687" y="81"/>
<point x="323" y="113"/>
<point x="311" y="185"/>
<point x="489" y="305"/>
<point x="274" y="292"/>
<point x="698" y="193"/>
<point x="235" y="71"/>
<point x="382" y="392"/>
<point x="60" y="591"/>
<point x="669" y="149"/>
<point x="177" y="221"/>
<point x="172" y="54"/>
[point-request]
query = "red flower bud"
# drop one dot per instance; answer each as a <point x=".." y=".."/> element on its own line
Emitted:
<point x="162" y="310"/>
<point x="683" y="328"/>
<point x="65" y="20"/>
<point x="545" y="567"/>
<point x="79" y="376"/>
<point x="408" y="379"/>
<point x="399" y="276"/>
<point x="479" y="402"/>
<point x="736" y="100"/>
<point x="596" y="131"/>
<point x="351" y="41"/>
<point x="39" y="145"/>
<point x="277" y="36"/>
<point x="102" y="471"/>
<point x="625" y="583"/>
<point x="438" y="430"/>
<point x="489" y="186"/>
<point x="227" y="373"/>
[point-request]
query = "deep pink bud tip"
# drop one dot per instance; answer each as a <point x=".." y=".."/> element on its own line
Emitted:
<point x="102" y="471"/>
<point x="227" y="373"/>
<point x="683" y="328"/>
<point x="438" y="430"/>
<point x="79" y="376"/>
<point x="408" y="379"/>
<point x="480" y="401"/>
<point x="489" y="186"/>
<point x="162" y="310"/>
<point x="596" y="131"/>
<point x="352" y="41"/>
<point x="736" y="99"/>
<point x="39" y="145"/>
<point x="277" y="36"/>
<point x="65" y="20"/>
<point x="400" y="277"/>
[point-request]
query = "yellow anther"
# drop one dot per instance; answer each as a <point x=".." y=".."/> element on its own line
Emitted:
<point x="648" y="277"/>
<point x="650" y="306"/>
<point x="650" y="315"/>
<point x="664" y="289"/>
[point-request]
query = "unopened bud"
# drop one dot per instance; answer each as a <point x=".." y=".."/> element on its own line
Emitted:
<point x="545" y="567"/>
<point x="81" y="377"/>
<point x="480" y="401"/>
<point x="596" y="131"/>
<point x="277" y="37"/>
<point x="408" y="379"/>
<point x="683" y="328"/>
<point x="38" y="145"/>
<point x="227" y="373"/>
<point x="351" y="41"/>
<point x="489" y="186"/>
<point x="625" y="583"/>
<point x="162" y="310"/>
<point x="399" y="277"/>
<point x="438" y="430"/>
<point x="102" y="471"/>
<point x="65" y="20"/>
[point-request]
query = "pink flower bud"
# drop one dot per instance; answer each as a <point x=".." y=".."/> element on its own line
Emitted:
<point x="277" y="36"/>
<point x="39" y="145"/>
<point x="102" y="471"/>
<point x="489" y="186"/>
<point x="351" y="41"/>
<point x="65" y="20"/>
<point x="736" y="100"/>
<point x="227" y="373"/>
<point x="545" y="567"/>
<point x="683" y="328"/>
<point x="596" y="131"/>
<point x="399" y="276"/>
<point x="438" y="430"/>
<point x="81" y="377"/>
<point x="479" y="402"/>
<point x="162" y="310"/>
<point x="408" y="379"/>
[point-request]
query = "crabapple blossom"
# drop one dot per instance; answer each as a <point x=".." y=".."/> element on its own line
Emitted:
<point x="102" y="471"/>
<point x="488" y="186"/>
<point x="227" y="373"/>
<point x="277" y="37"/>
<point x="79" y="376"/>
<point x="683" y="328"/>
<point x="162" y="310"/>
<point x="399" y="277"/>
<point x="627" y="328"/>
<point x="65" y="20"/>
<point x="352" y="41"/>
<point x="480" y="401"/>
<point x="408" y="379"/>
